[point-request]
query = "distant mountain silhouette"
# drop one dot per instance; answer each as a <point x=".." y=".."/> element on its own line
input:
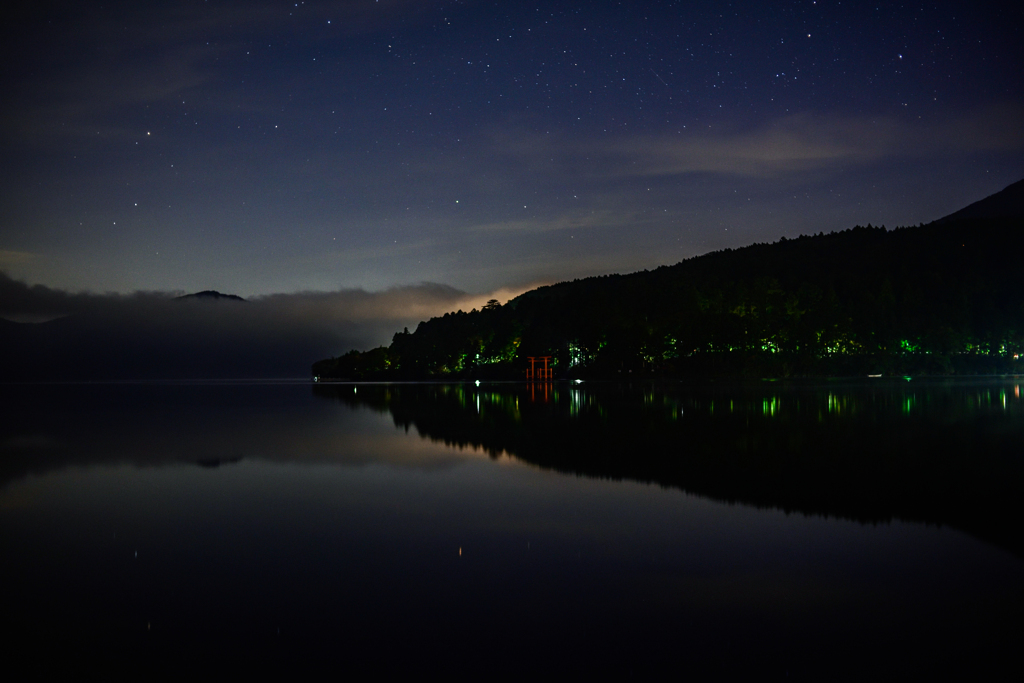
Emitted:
<point x="1007" y="203"/>
<point x="210" y="295"/>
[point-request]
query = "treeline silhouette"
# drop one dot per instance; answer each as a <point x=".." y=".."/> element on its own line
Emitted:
<point x="935" y="452"/>
<point x="943" y="298"/>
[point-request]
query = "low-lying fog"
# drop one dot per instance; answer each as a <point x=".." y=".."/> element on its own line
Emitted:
<point x="51" y="334"/>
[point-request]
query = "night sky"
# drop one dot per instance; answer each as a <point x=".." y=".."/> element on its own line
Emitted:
<point x="274" y="147"/>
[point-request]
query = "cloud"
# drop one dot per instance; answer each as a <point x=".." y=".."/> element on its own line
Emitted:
<point x="800" y="143"/>
<point x="579" y="221"/>
<point x="10" y="258"/>
<point x="148" y="335"/>
<point x="104" y="70"/>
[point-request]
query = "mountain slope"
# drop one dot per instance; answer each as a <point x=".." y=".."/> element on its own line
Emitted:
<point x="1007" y="203"/>
<point x="938" y="298"/>
<point x="209" y="295"/>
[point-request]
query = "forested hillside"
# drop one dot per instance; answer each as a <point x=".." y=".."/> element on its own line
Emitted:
<point x="941" y="298"/>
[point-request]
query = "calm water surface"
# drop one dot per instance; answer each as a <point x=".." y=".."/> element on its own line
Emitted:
<point x="818" y="531"/>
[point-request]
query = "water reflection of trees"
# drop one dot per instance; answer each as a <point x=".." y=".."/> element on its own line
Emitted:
<point x="942" y="453"/>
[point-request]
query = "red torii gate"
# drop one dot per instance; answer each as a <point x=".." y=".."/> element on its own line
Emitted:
<point x="535" y="373"/>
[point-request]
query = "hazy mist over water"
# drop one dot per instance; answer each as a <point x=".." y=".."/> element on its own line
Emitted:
<point x="51" y="334"/>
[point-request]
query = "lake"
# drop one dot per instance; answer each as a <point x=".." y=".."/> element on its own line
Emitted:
<point x="783" y="530"/>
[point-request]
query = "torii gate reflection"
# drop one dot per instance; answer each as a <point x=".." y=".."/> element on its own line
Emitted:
<point x="535" y="374"/>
